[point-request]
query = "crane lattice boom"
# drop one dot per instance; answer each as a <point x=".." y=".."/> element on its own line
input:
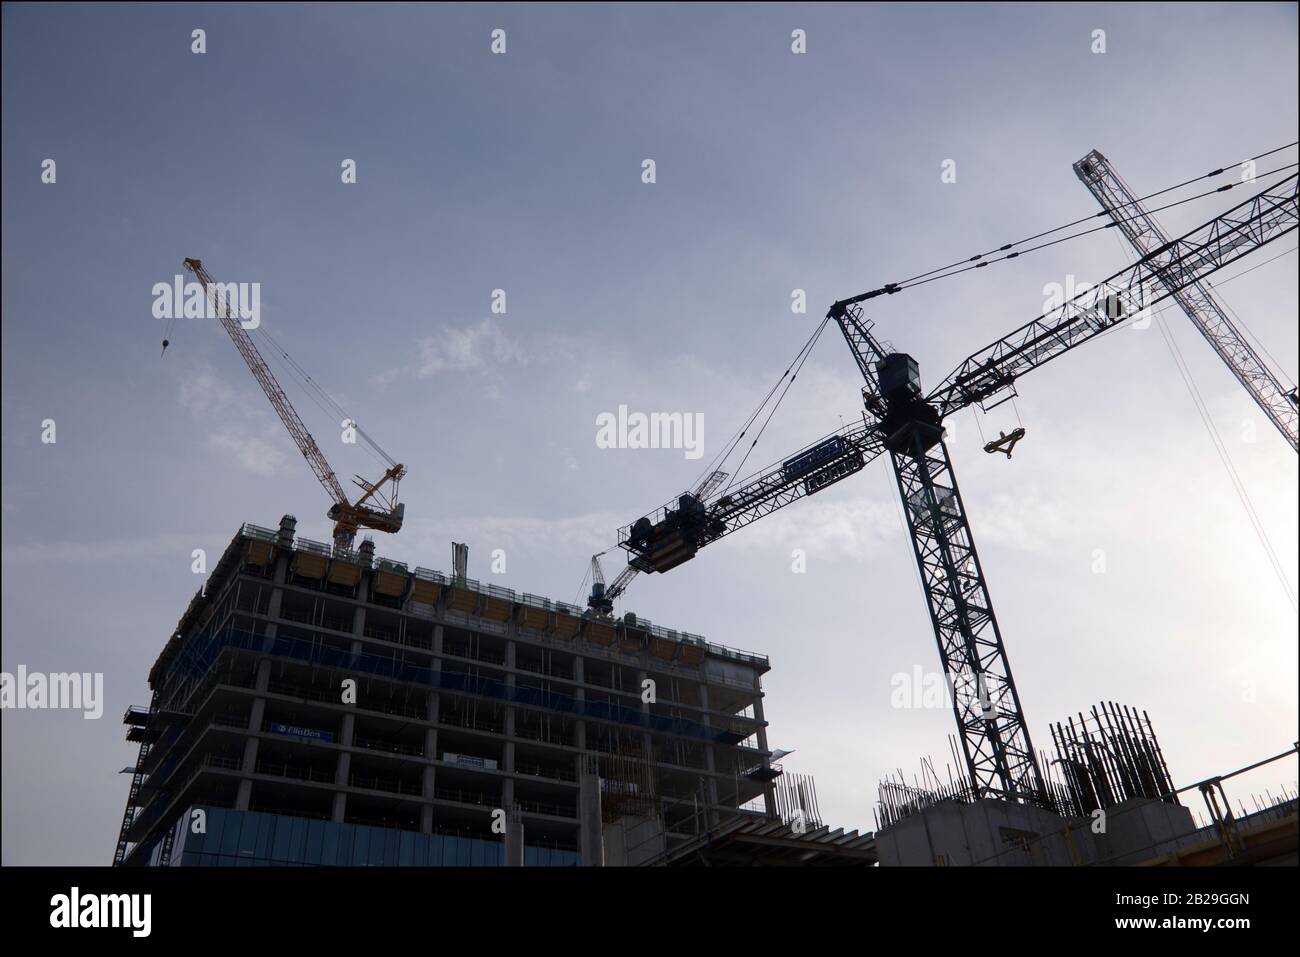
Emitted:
<point x="347" y="516"/>
<point x="1195" y="299"/>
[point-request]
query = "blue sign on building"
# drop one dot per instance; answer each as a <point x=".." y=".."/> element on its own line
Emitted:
<point x="301" y="732"/>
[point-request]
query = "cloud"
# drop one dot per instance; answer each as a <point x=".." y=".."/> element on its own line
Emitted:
<point x="477" y="347"/>
<point x="469" y="349"/>
<point x="1025" y="522"/>
<point x="203" y="393"/>
<point x="249" y="452"/>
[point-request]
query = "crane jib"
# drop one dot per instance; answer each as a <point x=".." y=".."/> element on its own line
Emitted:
<point x="347" y="516"/>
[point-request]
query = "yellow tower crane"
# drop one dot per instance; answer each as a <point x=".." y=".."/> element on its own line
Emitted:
<point x="347" y="516"/>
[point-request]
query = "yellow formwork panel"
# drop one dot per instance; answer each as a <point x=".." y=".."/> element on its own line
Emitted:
<point x="599" y="633"/>
<point x="259" y="553"/>
<point x="390" y="583"/>
<point x="664" y="648"/>
<point x="566" y="625"/>
<point x="497" y="609"/>
<point x="692" y="654"/>
<point x="463" y="600"/>
<point x="530" y="616"/>
<point x="345" y="573"/>
<point x="426" y="591"/>
<point x="630" y="642"/>
<point x="308" y="565"/>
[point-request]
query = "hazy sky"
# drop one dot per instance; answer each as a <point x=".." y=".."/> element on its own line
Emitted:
<point x="522" y="172"/>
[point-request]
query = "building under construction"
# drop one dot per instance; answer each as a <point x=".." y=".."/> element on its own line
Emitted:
<point x="322" y="706"/>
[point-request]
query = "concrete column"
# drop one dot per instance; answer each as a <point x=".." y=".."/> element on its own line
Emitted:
<point x="257" y="714"/>
<point x="769" y="799"/>
<point x="590" y="830"/>
<point x="514" y="842"/>
<point x="358" y="622"/>
<point x="339" y="811"/>
<point x="342" y="769"/>
<point x="272" y="612"/>
<point x="429" y="782"/>
<point x="509" y="756"/>
<point x="248" y="762"/>
<point x="431" y="704"/>
<point x="344" y="766"/>
<point x="580" y="736"/>
<point x="647" y="742"/>
<point x="710" y="763"/>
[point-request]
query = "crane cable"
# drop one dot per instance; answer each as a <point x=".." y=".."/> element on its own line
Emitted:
<point x="1220" y="448"/>
<point x="314" y="391"/>
<point x="908" y="284"/>
<point x="795" y="364"/>
<point x="980" y="257"/>
<point x="763" y="428"/>
<point x="971" y="264"/>
<point x="318" y="395"/>
<point x="1212" y="430"/>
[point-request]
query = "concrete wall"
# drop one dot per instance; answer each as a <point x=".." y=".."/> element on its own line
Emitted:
<point x="991" y="833"/>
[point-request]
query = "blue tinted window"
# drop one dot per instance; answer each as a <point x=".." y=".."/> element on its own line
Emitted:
<point x="391" y="840"/>
<point x="330" y="846"/>
<point x="280" y="846"/>
<point x="347" y="838"/>
<point x="210" y="841"/>
<point x="248" y="836"/>
<point x="231" y="828"/>
<point x="297" y="840"/>
<point x="315" y="841"/>
<point x="265" y="835"/>
<point x="360" y="846"/>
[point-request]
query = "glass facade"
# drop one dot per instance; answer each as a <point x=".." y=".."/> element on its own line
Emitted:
<point x="256" y="839"/>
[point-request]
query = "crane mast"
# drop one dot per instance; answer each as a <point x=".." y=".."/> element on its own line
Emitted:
<point x="994" y="735"/>
<point x="1207" y="314"/>
<point x="347" y="516"/>
<point x="899" y="419"/>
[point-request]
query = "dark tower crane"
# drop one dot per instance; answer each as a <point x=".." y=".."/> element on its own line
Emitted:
<point x="899" y="419"/>
<point x="347" y="516"/>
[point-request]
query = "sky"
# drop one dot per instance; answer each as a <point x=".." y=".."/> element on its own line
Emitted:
<point x="775" y="171"/>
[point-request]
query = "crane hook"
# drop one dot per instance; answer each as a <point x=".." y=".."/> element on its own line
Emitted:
<point x="1004" y="442"/>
